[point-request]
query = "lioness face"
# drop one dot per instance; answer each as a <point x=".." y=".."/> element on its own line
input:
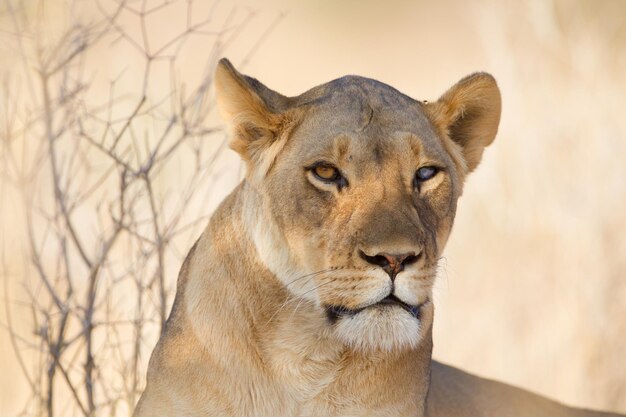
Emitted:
<point x="358" y="186"/>
<point x="366" y="203"/>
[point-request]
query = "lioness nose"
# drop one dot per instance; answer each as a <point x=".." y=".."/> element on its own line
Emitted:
<point x="392" y="264"/>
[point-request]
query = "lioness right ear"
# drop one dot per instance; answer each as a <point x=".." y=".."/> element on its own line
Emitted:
<point x="468" y="114"/>
<point x="251" y="110"/>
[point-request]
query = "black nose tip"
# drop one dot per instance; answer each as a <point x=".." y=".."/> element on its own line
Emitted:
<point x="392" y="264"/>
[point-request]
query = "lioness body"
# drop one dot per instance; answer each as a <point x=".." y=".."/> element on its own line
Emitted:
<point x="257" y="370"/>
<point x="309" y="294"/>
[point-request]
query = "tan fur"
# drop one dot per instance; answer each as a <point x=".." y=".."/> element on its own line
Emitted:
<point x="277" y="308"/>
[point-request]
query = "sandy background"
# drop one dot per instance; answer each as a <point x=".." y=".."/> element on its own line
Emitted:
<point x="533" y="291"/>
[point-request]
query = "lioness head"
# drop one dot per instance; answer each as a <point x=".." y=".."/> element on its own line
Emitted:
<point x="353" y="191"/>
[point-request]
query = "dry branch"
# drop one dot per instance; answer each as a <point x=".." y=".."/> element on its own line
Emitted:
<point x="102" y="228"/>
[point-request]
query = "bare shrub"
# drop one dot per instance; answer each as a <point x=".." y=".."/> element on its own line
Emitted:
<point x="140" y="149"/>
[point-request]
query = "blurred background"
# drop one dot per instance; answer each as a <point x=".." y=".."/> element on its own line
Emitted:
<point x="113" y="157"/>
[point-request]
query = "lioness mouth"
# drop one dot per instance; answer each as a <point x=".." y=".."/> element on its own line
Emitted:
<point x="335" y="312"/>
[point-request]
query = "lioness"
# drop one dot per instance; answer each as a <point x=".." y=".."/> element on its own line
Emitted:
<point x="310" y="292"/>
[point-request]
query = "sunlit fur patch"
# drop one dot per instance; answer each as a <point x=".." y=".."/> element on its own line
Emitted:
<point x="380" y="328"/>
<point x="275" y="254"/>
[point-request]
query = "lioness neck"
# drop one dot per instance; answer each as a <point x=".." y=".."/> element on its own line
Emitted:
<point x="261" y="353"/>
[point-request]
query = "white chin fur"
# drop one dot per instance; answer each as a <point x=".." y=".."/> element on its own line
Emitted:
<point x="389" y="328"/>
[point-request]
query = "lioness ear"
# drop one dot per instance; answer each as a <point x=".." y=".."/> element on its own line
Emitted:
<point x="251" y="110"/>
<point x="468" y="114"/>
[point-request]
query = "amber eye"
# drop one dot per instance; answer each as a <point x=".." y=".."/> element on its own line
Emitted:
<point x="326" y="172"/>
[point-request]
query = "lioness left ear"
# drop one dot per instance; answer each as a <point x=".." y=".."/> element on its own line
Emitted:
<point x="253" y="111"/>
<point x="468" y="114"/>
